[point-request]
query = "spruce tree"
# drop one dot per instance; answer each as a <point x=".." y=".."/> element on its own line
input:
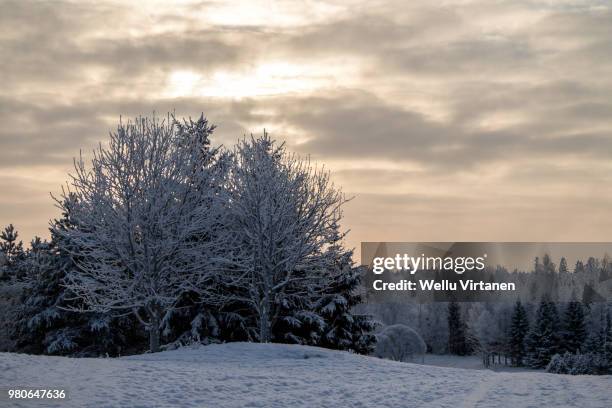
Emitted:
<point x="326" y="318"/>
<point x="592" y="266"/>
<point x="298" y="320"/>
<point x="543" y="340"/>
<point x="574" y="333"/>
<point x="563" y="266"/>
<point x="607" y="343"/>
<point x="518" y="331"/>
<point x="13" y="254"/>
<point x="344" y="329"/>
<point x="597" y="330"/>
<point x="43" y="326"/>
<point x="599" y="345"/>
<point x="457" y="342"/>
<point x="547" y="265"/>
<point x="593" y="342"/>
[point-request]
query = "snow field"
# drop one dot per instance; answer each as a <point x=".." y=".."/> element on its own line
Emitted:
<point x="277" y="375"/>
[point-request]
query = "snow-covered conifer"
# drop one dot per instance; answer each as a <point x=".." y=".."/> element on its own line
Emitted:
<point x="544" y="337"/>
<point x="457" y="341"/>
<point x="518" y="330"/>
<point x="574" y="331"/>
<point x="43" y="324"/>
<point x="563" y="266"/>
<point x="12" y="254"/>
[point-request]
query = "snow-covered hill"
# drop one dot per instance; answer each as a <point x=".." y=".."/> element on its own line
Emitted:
<point x="273" y="375"/>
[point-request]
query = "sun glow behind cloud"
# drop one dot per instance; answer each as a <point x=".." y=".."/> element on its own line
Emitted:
<point x="270" y="78"/>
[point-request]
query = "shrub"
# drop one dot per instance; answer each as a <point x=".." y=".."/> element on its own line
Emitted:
<point x="399" y="343"/>
<point x="577" y="364"/>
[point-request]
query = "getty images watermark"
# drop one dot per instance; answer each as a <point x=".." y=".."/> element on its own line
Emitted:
<point x="486" y="271"/>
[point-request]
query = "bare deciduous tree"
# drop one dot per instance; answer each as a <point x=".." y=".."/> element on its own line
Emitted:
<point x="284" y="213"/>
<point x="149" y="220"/>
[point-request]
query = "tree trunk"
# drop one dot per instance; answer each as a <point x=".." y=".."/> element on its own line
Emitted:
<point x="264" y="322"/>
<point x="154" y="333"/>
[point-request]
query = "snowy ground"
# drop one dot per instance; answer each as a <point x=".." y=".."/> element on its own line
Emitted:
<point x="272" y="375"/>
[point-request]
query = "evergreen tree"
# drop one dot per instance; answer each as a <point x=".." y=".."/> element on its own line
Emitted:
<point x="599" y="344"/>
<point x="563" y="266"/>
<point x="592" y="266"/>
<point x="543" y="340"/>
<point x="607" y="343"/>
<point x="43" y="326"/>
<point x="596" y="329"/>
<point x="457" y="342"/>
<point x="195" y="321"/>
<point x="13" y="254"/>
<point x="518" y="331"/>
<point x="593" y="342"/>
<point x="298" y="320"/>
<point x="606" y="268"/>
<point x="574" y="333"/>
<point x="344" y="330"/>
<point x="547" y="265"/>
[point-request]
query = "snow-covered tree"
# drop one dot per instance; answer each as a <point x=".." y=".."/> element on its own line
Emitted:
<point x="344" y="329"/>
<point x="12" y="254"/>
<point x="399" y="342"/>
<point x="4" y="274"/>
<point x="607" y="342"/>
<point x="518" y="331"/>
<point x="544" y="338"/>
<point x="563" y="266"/>
<point x="9" y="244"/>
<point x="328" y="319"/>
<point x="432" y="323"/>
<point x="595" y="327"/>
<point x="548" y="265"/>
<point x="576" y="364"/>
<point x="43" y="325"/>
<point x="150" y="221"/>
<point x="574" y="331"/>
<point x="457" y="341"/>
<point x="283" y="214"/>
<point x="487" y="330"/>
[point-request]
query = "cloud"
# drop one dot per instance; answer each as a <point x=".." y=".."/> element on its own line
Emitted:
<point x="43" y="134"/>
<point x="434" y="114"/>
<point x="358" y="125"/>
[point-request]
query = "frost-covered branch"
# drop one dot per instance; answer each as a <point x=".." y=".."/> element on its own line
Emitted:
<point x="150" y="219"/>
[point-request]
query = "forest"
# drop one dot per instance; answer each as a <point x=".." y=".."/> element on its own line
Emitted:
<point x="549" y="324"/>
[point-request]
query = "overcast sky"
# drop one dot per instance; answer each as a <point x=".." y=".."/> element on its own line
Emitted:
<point x="466" y="120"/>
